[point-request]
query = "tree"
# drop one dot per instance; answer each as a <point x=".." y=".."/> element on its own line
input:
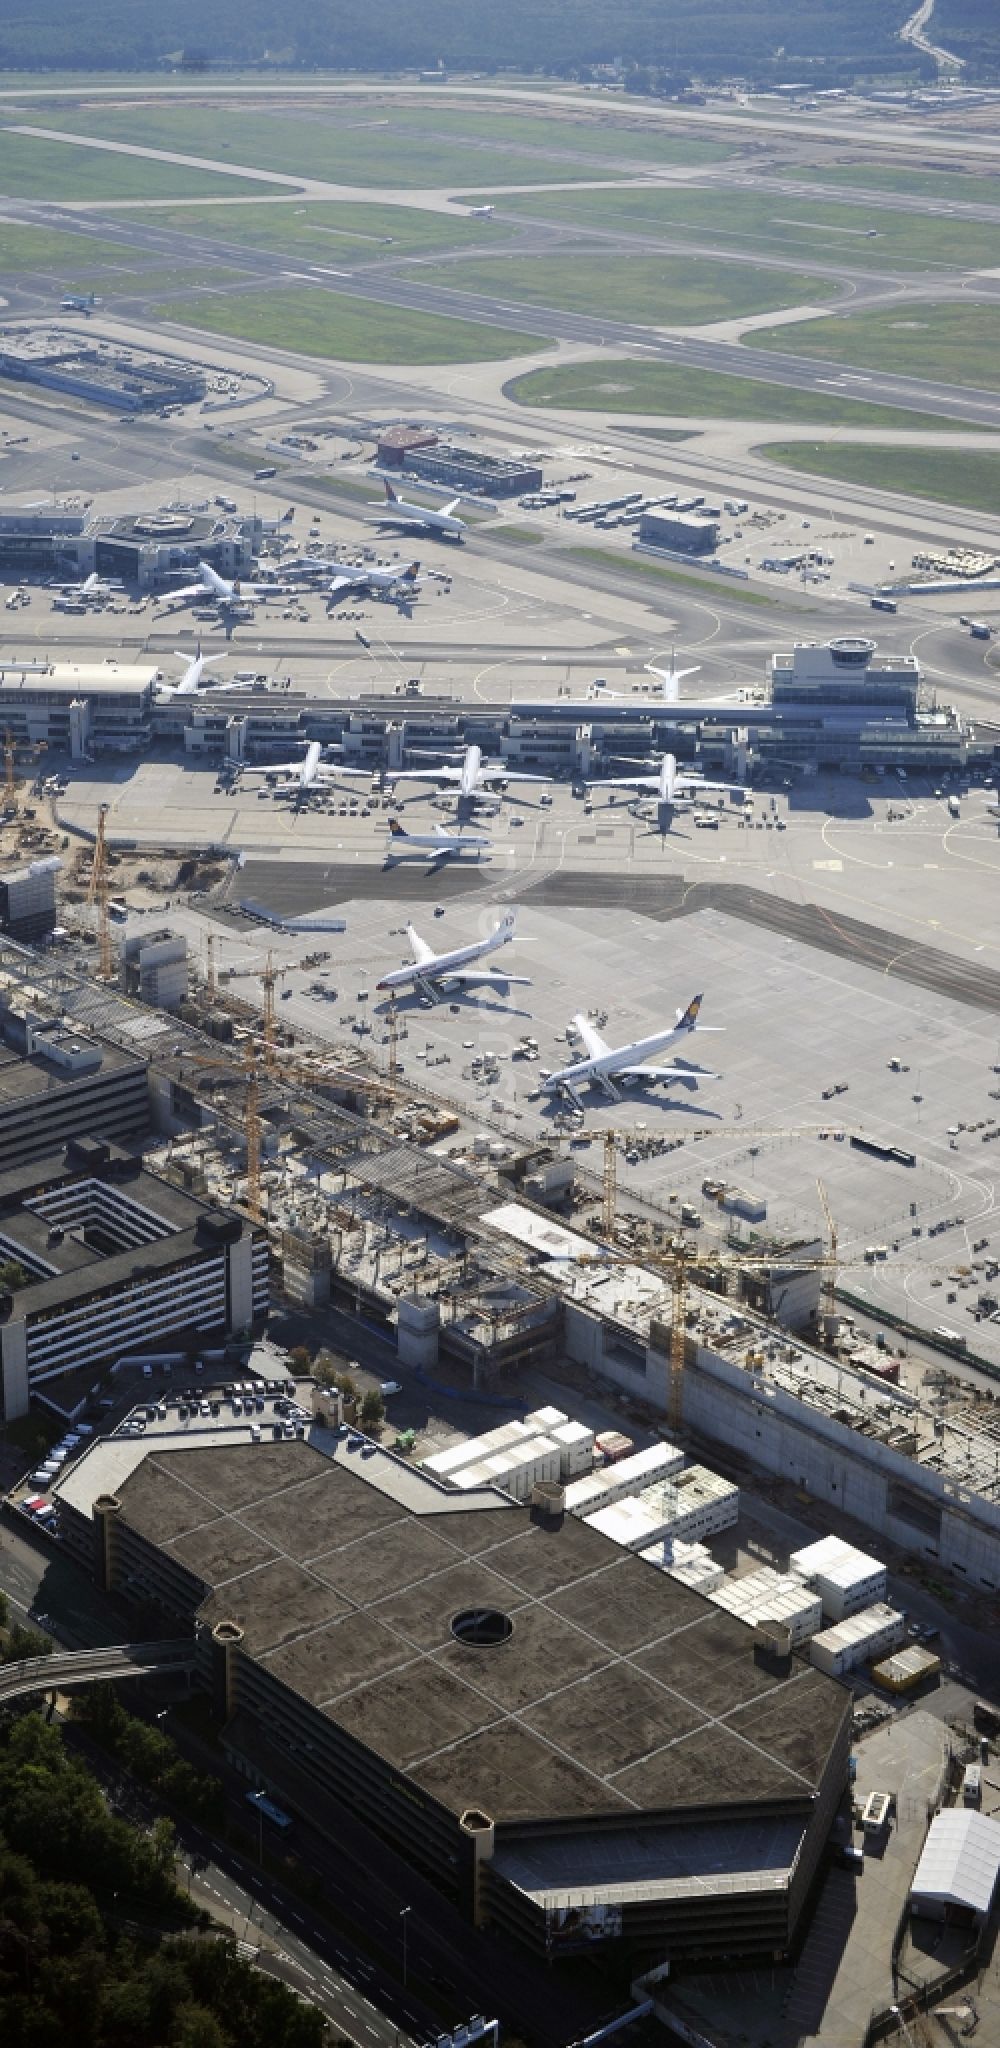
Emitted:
<point x="300" y="1359"/>
<point x="12" y="1276"/>
<point x="162" y="1844"/>
<point x="372" y="1409"/>
<point x="4" y="1610"/>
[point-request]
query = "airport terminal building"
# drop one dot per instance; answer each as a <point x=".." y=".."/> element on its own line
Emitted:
<point x="578" y="1748"/>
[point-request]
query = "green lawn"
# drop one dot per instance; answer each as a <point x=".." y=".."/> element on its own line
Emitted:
<point x="353" y="145"/>
<point x="681" y="393"/>
<point x="957" y="344"/>
<point x="32" y="168"/>
<point x="24" y="248"/>
<point x="984" y="191"/>
<point x="317" y="323"/>
<point x="948" y="475"/>
<point x="178" y="278"/>
<point x="663" y="290"/>
<point x="606" y="138"/>
<point x="811" y="230"/>
<point x="644" y="565"/>
<point x="326" y="232"/>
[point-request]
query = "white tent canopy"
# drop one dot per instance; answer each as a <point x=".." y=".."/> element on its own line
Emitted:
<point x="960" y="1863"/>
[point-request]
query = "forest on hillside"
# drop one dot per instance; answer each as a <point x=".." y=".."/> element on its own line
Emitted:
<point x="829" y="41"/>
<point x="972" y="29"/>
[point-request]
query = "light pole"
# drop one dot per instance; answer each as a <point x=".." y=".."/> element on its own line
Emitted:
<point x="403" y="1914"/>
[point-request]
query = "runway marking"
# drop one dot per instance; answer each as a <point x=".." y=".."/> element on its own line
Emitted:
<point x="835" y="866"/>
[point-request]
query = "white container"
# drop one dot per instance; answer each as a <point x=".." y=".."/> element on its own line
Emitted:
<point x="859" y="1639"/>
<point x="768" y="1595"/>
<point x="848" y="1580"/>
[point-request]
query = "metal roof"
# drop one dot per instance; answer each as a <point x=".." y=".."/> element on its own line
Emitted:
<point x="960" y="1861"/>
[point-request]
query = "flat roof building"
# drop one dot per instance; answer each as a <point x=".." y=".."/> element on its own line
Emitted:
<point x="688" y="533"/>
<point x="58" y="1083"/>
<point x="578" y="1747"/>
<point x="28" y="899"/>
<point x="115" y="1260"/>
<point x="472" y="470"/>
<point x="846" y="1579"/>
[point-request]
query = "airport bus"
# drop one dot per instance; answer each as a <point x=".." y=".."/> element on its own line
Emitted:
<point x="266" y="1808"/>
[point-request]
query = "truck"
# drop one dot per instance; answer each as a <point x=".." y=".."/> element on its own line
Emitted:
<point x="875" y="1817"/>
<point x="884" y="604"/>
<point x="270" y="469"/>
<point x="979" y="630"/>
<point x="954" y="807"/>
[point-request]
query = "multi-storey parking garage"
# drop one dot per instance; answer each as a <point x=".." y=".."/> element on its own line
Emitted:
<point x="576" y="1746"/>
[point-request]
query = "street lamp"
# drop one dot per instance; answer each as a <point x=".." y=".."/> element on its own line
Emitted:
<point x="404" y="1912"/>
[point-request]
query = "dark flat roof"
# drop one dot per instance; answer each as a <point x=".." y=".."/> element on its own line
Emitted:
<point x="618" y="1693"/>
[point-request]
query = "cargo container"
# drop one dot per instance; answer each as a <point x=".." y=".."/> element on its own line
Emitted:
<point x="613" y="1445"/>
<point x="906" y="1669"/>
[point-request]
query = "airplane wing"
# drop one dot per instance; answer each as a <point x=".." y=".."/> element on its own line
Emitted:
<point x="666" y="1074"/>
<point x="694" y="783"/>
<point x="626" y="782"/>
<point x="421" y="951"/>
<point x="339" y="583"/>
<point x="425" y="775"/>
<point x="189" y="590"/>
<point x="487" y="977"/>
<point x="449" y="510"/>
<point x="509" y="775"/>
<point x="595" y="1044"/>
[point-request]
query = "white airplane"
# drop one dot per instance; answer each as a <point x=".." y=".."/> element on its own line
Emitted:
<point x="671" y="679"/>
<point x="482" y="212"/>
<point x="399" y="583"/>
<point x="472" y="778"/>
<point x="431" y="973"/>
<point x="308" y="774"/>
<point x="190" y="681"/>
<point x="396" y="512"/>
<point x="92" y="586"/>
<point x="670" y="785"/>
<point x="438" y="841"/>
<point x="223" y="590"/>
<point x="607" y="1064"/>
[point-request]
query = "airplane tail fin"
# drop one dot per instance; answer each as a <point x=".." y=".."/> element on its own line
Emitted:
<point x="391" y="498"/>
<point x="395" y="829"/>
<point x="506" y="927"/>
<point x="410" y="575"/>
<point x="689" y="1018"/>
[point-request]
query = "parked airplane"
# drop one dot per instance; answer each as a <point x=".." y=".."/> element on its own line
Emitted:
<point x="670" y="785"/>
<point x="397" y="512"/>
<point x="606" y="1065"/>
<point x="92" y="586"/>
<point x="190" y="681"/>
<point x="432" y="973"/>
<point x="222" y="589"/>
<point x="671" y="679"/>
<point x="311" y="773"/>
<point x="392" y="583"/>
<point x="438" y="841"/>
<point x="472" y="778"/>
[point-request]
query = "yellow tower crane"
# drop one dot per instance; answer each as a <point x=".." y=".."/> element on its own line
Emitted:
<point x="830" y="1273"/>
<point x="97" y="892"/>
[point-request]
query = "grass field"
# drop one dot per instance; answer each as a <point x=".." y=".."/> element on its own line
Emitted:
<point x="681" y="393"/>
<point x="326" y="232"/>
<point x="642" y="565"/>
<point x="352" y="146"/>
<point x="948" y="475"/>
<point x="600" y="139"/>
<point x="811" y="230"/>
<point x="24" y="248"/>
<point x="945" y="185"/>
<point x="31" y="168"/>
<point x="316" y="323"/>
<point x="663" y="290"/>
<point x="179" y="277"/>
<point x="955" y="344"/>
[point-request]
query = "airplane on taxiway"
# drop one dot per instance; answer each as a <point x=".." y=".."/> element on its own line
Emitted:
<point x="397" y="512"/>
<point x="438" y="841"/>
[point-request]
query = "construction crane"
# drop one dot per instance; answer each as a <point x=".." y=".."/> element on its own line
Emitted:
<point x="97" y="892"/>
<point x="8" y="762"/>
<point x="830" y="1275"/>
